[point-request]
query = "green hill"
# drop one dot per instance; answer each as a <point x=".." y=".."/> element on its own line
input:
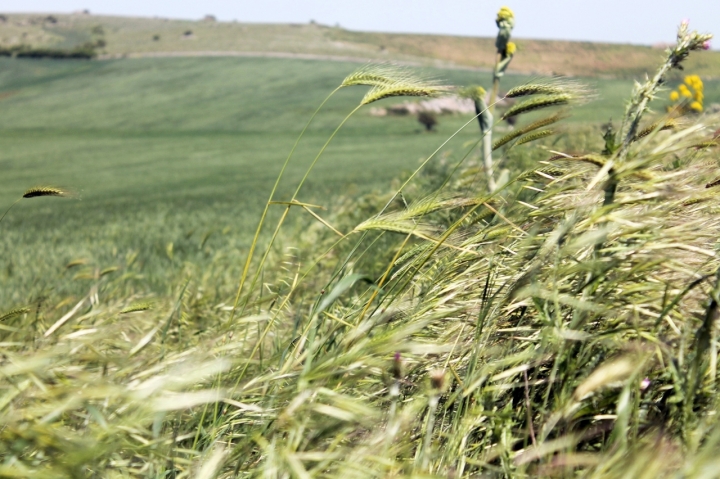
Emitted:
<point x="126" y="36"/>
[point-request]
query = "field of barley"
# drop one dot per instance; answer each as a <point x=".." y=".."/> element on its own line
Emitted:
<point x="401" y="311"/>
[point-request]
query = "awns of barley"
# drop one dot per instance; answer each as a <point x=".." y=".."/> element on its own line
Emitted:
<point x="396" y="225"/>
<point x="527" y="129"/>
<point x="538" y="103"/>
<point x="552" y="87"/>
<point x="379" y="93"/>
<point x="376" y="75"/>
<point x="383" y="75"/>
<point x="388" y="81"/>
<point x="38" y="191"/>
<point x="13" y="313"/>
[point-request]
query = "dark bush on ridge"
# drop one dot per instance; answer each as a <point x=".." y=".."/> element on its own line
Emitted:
<point x="85" y="51"/>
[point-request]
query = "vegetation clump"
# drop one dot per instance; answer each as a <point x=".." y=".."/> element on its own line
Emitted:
<point x="558" y="322"/>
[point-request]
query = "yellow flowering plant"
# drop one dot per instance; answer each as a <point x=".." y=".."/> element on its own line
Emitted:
<point x="688" y="97"/>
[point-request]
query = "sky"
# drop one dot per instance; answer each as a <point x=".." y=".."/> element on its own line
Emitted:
<point x="625" y="21"/>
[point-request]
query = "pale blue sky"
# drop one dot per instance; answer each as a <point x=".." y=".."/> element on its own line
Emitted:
<point x="628" y="21"/>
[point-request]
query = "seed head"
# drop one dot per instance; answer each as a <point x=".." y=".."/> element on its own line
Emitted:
<point x="527" y="129"/>
<point x="137" y="307"/>
<point x="538" y="103"/>
<point x="45" y="191"/>
<point x="382" y="92"/>
<point x="536" y="135"/>
<point x="13" y="313"/>
<point x="668" y="124"/>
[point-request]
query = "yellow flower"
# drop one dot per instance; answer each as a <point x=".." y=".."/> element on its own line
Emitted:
<point x="699" y="96"/>
<point x="504" y="14"/>
<point x="694" y="81"/>
<point x="696" y="105"/>
<point x="684" y="91"/>
<point x="510" y="49"/>
<point x="674" y="96"/>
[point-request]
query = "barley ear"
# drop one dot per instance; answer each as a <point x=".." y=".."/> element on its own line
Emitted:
<point x="13" y="313"/>
<point x="379" y="93"/>
<point x="377" y="75"/>
<point x="38" y="191"/>
<point x="537" y="135"/>
<point x="537" y="103"/>
<point x="550" y="87"/>
<point x="137" y="307"/>
<point x="543" y="122"/>
<point x="668" y="124"/>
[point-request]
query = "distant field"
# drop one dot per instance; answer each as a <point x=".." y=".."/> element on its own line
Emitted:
<point x="170" y="150"/>
<point x="156" y="36"/>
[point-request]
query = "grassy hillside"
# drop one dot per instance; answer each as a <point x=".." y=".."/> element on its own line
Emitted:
<point x="145" y="36"/>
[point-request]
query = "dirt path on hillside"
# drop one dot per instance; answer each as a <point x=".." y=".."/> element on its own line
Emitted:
<point x="289" y="55"/>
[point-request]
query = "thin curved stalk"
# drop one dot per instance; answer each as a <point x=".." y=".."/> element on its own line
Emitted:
<point x="246" y="268"/>
<point x="422" y="165"/>
<point x="11" y="207"/>
<point x="282" y="218"/>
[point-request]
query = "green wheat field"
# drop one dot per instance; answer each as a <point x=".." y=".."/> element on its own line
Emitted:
<point x="401" y="316"/>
